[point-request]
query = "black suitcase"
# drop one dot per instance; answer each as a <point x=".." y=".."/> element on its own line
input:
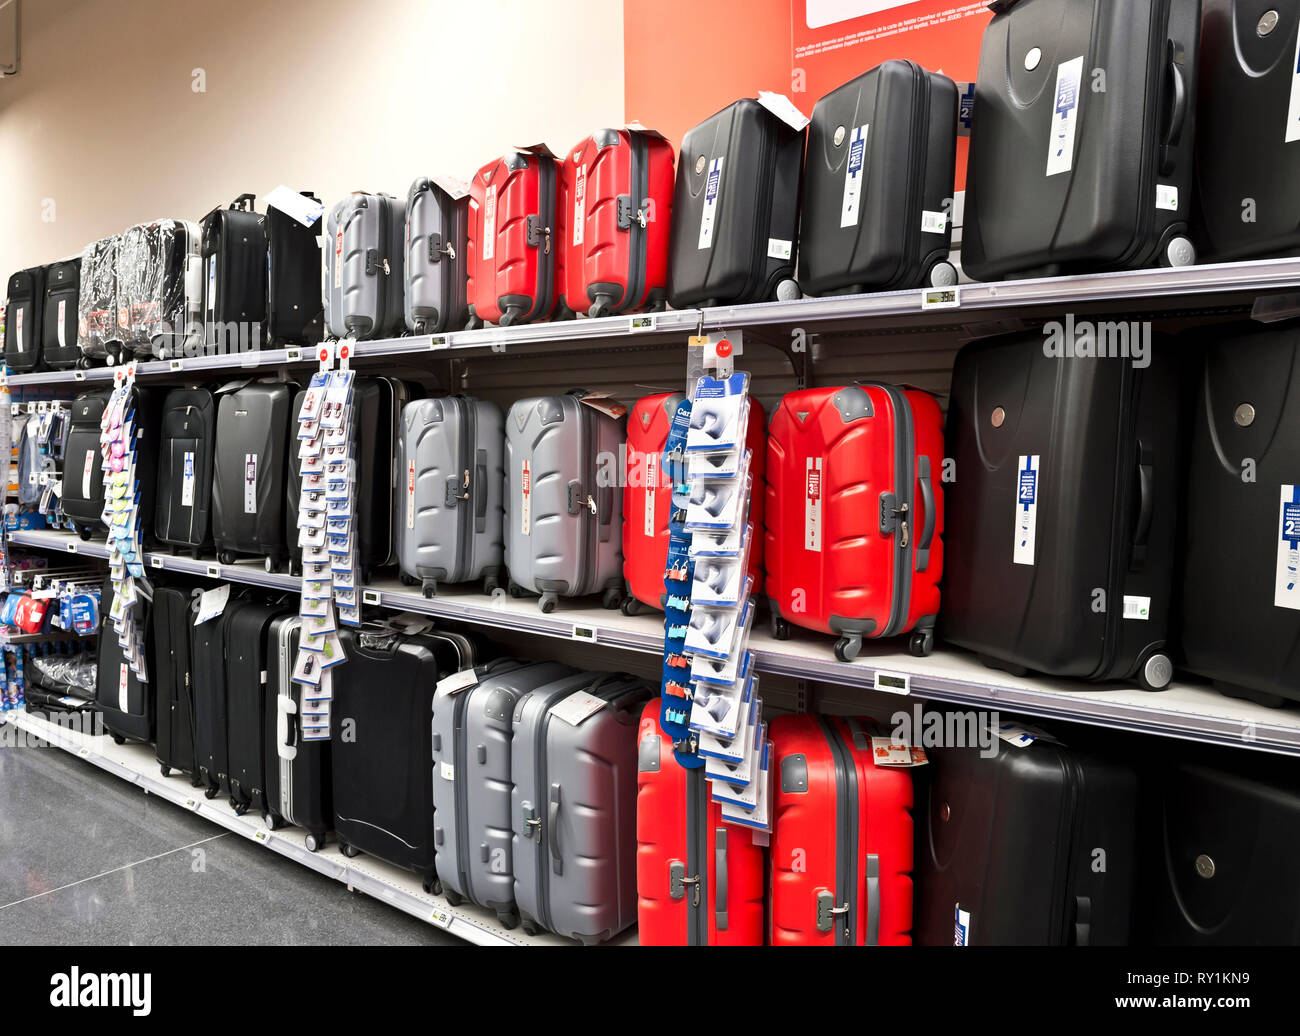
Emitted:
<point x="735" y="209"/>
<point x="1081" y="141"/>
<point x="60" y="320"/>
<point x="1247" y="131"/>
<point x="160" y="289"/>
<point x="878" y="183"/>
<point x="23" y="316"/>
<point x="123" y="700"/>
<point x="295" y="308"/>
<point x="1033" y="846"/>
<point x="298" y="783"/>
<point x="182" y="517"/>
<point x="383" y="768"/>
<point x="1243" y="536"/>
<point x="83" y="463"/>
<point x="250" y="468"/>
<point x="1059" y="526"/>
<point x="208" y="660"/>
<point x="173" y="617"/>
<point x="246" y="694"/>
<point x="234" y="250"/>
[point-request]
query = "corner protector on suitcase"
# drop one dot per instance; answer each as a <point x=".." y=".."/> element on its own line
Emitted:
<point x="794" y="774"/>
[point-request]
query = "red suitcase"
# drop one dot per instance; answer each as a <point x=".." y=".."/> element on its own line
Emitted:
<point x="648" y="494"/>
<point x="514" y="262"/>
<point x="618" y="199"/>
<point x="680" y="838"/>
<point x="855" y="514"/>
<point x="841" y="847"/>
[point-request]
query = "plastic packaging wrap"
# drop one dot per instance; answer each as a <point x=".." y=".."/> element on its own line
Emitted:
<point x="159" y="288"/>
<point x="97" y="317"/>
<point x="66" y="673"/>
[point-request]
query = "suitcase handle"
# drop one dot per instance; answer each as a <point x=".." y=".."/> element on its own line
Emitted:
<point x="245" y="202"/>
<point x="926" y="482"/>
<point x="1146" y="503"/>
<point x="720" y="878"/>
<point x="1178" y="112"/>
<point x="873" y="901"/>
<point x="553" y="829"/>
<point x="284" y="708"/>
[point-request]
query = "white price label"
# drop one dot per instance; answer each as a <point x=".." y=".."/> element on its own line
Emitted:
<point x="893" y="683"/>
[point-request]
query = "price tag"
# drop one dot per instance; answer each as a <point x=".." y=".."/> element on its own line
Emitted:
<point x="73" y="546"/>
<point x="192" y="804"/>
<point x="293" y="355"/>
<point x="84" y="752"/>
<point x="440" y="917"/>
<point x="176" y="365"/>
<point x="587" y="633"/>
<point x="156" y="561"/>
<point x="78" y="375"/>
<point x="437" y="342"/>
<point x="941" y="298"/>
<point x="214" y="571"/>
<point x="212" y="603"/>
<point x="262" y="835"/>
<point x="893" y="683"/>
<point x="369" y="596"/>
<point x="642" y="322"/>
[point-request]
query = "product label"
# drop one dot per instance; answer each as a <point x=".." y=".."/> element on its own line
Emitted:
<point x="579" y="204"/>
<point x="526" y="508"/>
<point x="250" y="483"/>
<point x="1026" y="509"/>
<point x="1287" y="589"/>
<point x="812" y="505"/>
<point x="447" y="772"/>
<point x="961" y="932"/>
<point x="187" y="480"/>
<point x="18" y="328"/>
<point x="1166" y="197"/>
<point x="1137" y="608"/>
<point x="123" y="679"/>
<point x="1065" y="117"/>
<point x="651" y="486"/>
<point x="1293" y="111"/>
<point x="711" y="190"/>
<point x="410" y="494"/>
<point x="85" y="474"/>
<point x="850" y="211"/>
<point x="338" y="258"/>
<point x="934" y="222"/>
<point x="488" y="244"/>
<point x="577" y="707"/>
<point x="63" y="320"/>
<point x="779" y="249"/>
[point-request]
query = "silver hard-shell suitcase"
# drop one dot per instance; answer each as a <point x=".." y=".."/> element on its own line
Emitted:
<point x="363" y="267"/>
<point x="574" y="772"/>
<point x="564" y="509"/>
<point x="437" y="225"/>
<point x="450" y="473"/>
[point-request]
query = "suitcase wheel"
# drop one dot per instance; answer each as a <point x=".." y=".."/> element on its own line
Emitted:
<point x="271" y="821"/>
<point x="491" y="584"/>
<point x="408" y="580"/>
<point x="83" y="533"/>
<point x="511" y="316"/>
<point x="779" y="628"/>
<point x="516" y="590"/>
<point x="602" y="307"/>
<point x="612" y="598"/>
<point x="847" y="648"/>
<point x="165" y="770"/>
<point x="630" y="606"/>
<point x="429" y="588"/>
<point x="209" y="792"/>
<point x="788" y="290"/>
<point x="1179" y="251"/>
<point x="196" y="554"/>
<point x="548" y="602"/>
<point x="118" y="739"/>
<point x="240" y="808"/>
<point x="347" y="850"/>
<point x="273" y="564"/>
<point x="922" y="643"/>
<point x="474" y="322"/>
<point x="530" y="926"/>
<point x="314" y="842"/>
<point x="942" y="274"/>
<point x="1155" y="672"/>
<point x="454" y="898"/>
<point x="226" y="557"/>
<point x="509" y="919"/>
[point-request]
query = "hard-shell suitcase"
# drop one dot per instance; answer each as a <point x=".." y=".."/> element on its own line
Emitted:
<point x="1247" y="420"/>
<point x="1067" y="484"/>
<point x="173" y="618"/>
<point x="250" y="468"/>
<point x="364" y="270"/>
<point x="472" y="728"/>
<point x="841" y="849"/>
<point x="125" y="702"/>
<point x="699" y="880"/>
<point x="618" y="196"/>
<point x="183" y="518"/>
<point x="383" y="772"/>
<point x="437" y="232"/>
<point x="248" y="660"/>
<point x="1247" y="126"/>
<point x="1029" y="846"/>
<point x="98" y="333"/>
<point x="855" y="514"/>
<point x="24" y="314"/>
<point x="60" y="320"/>
<point x="563" y="528"/>
<point x="208" y="679"/>
<point x="83" y="463"/>
<point x="878" y="183"/>
<point x="516" y="226"/>
<point x="234" y="250"/>
<point x="298" y="785"/>
<point x="573" y="805"/>
<point x="160" y="289"/>
<point x="735" y="209"/>
<point x="294" y="305"/>
<point x="451" y="474"/>
<point x="1081" y="142"/>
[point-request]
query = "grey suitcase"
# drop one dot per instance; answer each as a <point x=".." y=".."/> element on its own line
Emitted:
<point x="472" y="728"/>
<point x="450" y="474"/>
<point x="363" y="268"/>
<point x="554" y="451"/>
<point x="437" y="226"/>
<point x="574" y="807"/>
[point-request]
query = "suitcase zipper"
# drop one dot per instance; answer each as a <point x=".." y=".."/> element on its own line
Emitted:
<point x="1115" y="593"/>
<point x="590" y="518"/>
<point x="763" y="222"/>
<point x="460" y="737"/>
<point x="465" y="502"/>
<point x="916" y="184"/>
<point x="697" y="843"/>
<point x="905" y="492"/>
<point x="546" y="253"/>
<point x="637" y="244"/>
<point x="846" y="832"/>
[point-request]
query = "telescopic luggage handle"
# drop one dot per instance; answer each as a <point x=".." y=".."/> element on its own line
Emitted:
<point x="245" y="202"/>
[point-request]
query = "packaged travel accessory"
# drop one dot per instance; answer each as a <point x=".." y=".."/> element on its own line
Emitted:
<point x="718" y="411"/>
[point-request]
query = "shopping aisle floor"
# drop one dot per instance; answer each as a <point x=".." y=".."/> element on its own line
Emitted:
<point x="86" y="859"/>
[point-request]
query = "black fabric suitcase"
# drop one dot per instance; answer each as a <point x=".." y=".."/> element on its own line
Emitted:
<point x="1033" y="846"/>
<point x="878" y="183"/>
<point x="234" y="250"/>
<point x="60" y="320"/>
<point x="125" y="702"/>
<point x="173" y="616"/>
<point x="1065" y="176"/>
<point x="247" y="677"/>
<point x="83" y="464"/>
<point x="1243" y="537"/>
<point x="735" y="209"/>
<point x="250" y="468"/>
<point x="23" y="316"/>
<point x="383" y="771"/>
<point x="1247" y="131"/>
<point x="160" y="289"/>
<point x="1060" y="524"/>
<point x="208" y="680"/>
<point x="182" y="517"/>
<point x="295" y="308"/>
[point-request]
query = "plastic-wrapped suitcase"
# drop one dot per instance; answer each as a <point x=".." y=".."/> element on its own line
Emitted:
<point x="297" y="768"/>
<point x="248" y="659"/>
<point x="878" y="183"/>
<point x="173" y="617"/>
<point x="699" y="880"/>
<point x="1081" y="143"/>
<point x="234" y="250"/>
<point x="294" y="305"/>
<point x="160" y="289"/>
<point x="563" y="528"/>
<point x="618" y="197"/>
<point x="1067" y="483"/>
<point x="208" y="680"/>
<point x="83" y="463"/>
<point x="736" y="209"/>
<point x="383" y="773"/>
<point x="1247" y="164"/>
<point x="841" y="850"/>
<point x="1247" y="418"/>
<point x="60" y="319"/>
<point x="1031" y="846"/>
<point x="364" y="271"/>
<point x="516" y="226"/>
<point x="183" y="517"/>
<point x="472" y="728"/>
<point x="123" y="700"/>
<point x="855" y="514"/>
<point x="97" y="329"/>
<point x="437" y="232"/>
<point x="249" y="472"/>
<point x="24" y="314"/>
<point x="451" y="472"/>
<point x="574" y="805"/>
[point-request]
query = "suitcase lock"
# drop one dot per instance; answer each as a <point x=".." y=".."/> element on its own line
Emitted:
<point x="626" y="215"/>
<point x="677" y="882"/>
<point x="536" y="232"/>
<point x="532" y="822"/>
<point x="374" y="263"/>
<point x="893" y="518"/>
<point x="437" y="249"/>
<point x="827" y="911"/>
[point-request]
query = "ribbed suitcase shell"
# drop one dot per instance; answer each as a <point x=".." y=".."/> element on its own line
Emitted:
<point x="250" y="470"/>
<point x="125" y="702"/>
<point x="173" y="617"/>
<point x="247" y="680"/>
<point x="24" y="340"/>
<point x="364" y="273"/>
<point x="60" y="320"/>
<point x="97" y="327"/>
<point x="437" y="233"/>
<point x="183" y="516"/>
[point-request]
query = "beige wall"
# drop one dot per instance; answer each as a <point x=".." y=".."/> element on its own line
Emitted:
<point x="327" y="95"/>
